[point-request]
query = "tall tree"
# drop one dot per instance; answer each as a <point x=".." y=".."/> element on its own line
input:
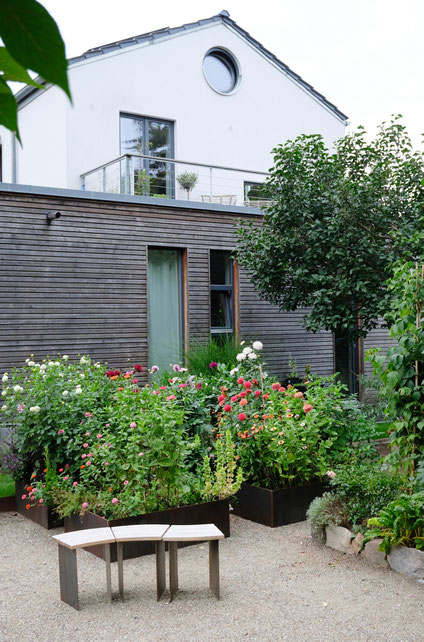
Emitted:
<point x="337" y="223"/>
<point x="32" y="42"/>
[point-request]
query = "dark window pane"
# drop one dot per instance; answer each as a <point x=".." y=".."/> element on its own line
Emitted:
<point x="220" y="265"/>
<point x="159" y="139"/>
<point x="221" y="316"/>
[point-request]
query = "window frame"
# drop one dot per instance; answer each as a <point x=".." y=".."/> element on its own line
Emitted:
<point x="146" y="120"/>
<point x="227" y="288"/>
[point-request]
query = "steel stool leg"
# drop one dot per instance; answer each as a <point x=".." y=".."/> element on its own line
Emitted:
<point x="108" y="574"/>
<point x="173" y="569"/>
<point x="120" y="548"/>
<point x="214" y="567"/>
<point x="68" y="576"/>
<point x="160" y="569"/>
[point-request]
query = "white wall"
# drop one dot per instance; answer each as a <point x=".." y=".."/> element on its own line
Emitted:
<point x="41" y="160"/>
<point x="166" y="80"/>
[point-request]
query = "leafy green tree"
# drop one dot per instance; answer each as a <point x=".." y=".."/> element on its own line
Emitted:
<point x="338" y="222"/>
<point x="32" y="42"/>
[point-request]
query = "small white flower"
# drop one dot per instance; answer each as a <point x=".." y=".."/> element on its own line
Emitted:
<point x="50" y="364"/>
<point x="82" y="375"/>
<point x="5" y="378"/>
<point x="35" y="409"/>
<point x="78" y="390"/>
<point x="98" y="365"/>
<point x="57" y="363"/>
<point x="18" y="389"/>
<point x="183" y="369"/>
<point x="257" y="345"/>
<point x="27" y="360"/>
<point x="43" y="367"/>
<point x="61" y="374"/>
<point x="36" y="365"/>
<point x="233" y="371"/>
<point x="83" y="361"/>
<point x="265" y="375"/>
<point x="247" y="350"/>
<point x="31" y="364"/>
<point x="303" y="423"/>
<point x="4" y="408"/>
<point x="242" y="343"/>
<point x="252" y="355"/>
<point x="65" y="393"/>
<point x="241" y="356"/>
<point x="65" y="357"/>
<point x="4" y="393"/>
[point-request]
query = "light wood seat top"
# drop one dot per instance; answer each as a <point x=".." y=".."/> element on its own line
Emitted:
<point x="192" y="533"/>
<point x="139" y="532"/>
<point x="86" y="537"/>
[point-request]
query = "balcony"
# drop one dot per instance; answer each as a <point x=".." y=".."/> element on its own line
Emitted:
<point x="155" y="176"/>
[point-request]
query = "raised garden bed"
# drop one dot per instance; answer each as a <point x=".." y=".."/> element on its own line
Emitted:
<point x="7" y="503"/>
<point x="40" y="513"/>
<point x="216" y="512"/>
<point x="275" y="507"/>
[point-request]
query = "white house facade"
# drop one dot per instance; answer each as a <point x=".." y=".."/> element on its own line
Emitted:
<point x="204" y="93"/>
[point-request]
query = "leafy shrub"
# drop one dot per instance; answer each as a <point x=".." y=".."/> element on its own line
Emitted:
<point x="365" y="487"/>
<point x="399" y="523"/>
<point x="43" y="401"/>
<point x="327" y="510"/>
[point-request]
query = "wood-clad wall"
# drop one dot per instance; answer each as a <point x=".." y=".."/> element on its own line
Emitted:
<point x="78" y="285"/>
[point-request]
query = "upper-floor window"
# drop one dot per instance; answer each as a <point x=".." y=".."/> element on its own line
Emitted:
<point x="149" y="137"/>
<point x="221" y="70"/>
<point x="221" y="292"/>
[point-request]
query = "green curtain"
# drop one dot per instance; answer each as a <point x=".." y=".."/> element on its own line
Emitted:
<point x="164" y="293"/>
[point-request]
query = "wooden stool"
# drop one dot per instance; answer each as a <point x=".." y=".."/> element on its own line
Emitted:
<point x="194" y="533"/>
<point x="67" y="545"/>
<point x="140" y="533"/>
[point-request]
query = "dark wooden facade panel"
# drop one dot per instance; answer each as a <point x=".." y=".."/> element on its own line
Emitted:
<point x="377" y="338"/>
<point x="79" y="284"/>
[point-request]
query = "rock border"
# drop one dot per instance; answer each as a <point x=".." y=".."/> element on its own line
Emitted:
<point x="408" y="561"/>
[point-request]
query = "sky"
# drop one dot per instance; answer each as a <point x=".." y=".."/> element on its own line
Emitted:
<point x="365" y="56"/>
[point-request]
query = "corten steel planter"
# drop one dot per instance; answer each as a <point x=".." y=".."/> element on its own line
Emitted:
<point x="7" y="503"/>
<point x="275" y="507"/>
<point x="39" y="513"/>
<point x="216" y="512"/>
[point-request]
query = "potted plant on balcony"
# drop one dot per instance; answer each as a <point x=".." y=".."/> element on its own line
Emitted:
<point x="187" y="181"/>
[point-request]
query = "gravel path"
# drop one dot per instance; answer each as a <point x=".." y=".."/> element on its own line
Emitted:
<point x="276" y="584"/>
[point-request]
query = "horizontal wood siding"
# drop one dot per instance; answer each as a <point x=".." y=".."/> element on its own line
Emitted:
<point x="377" y="338"/>
<point x="79" y="284"/>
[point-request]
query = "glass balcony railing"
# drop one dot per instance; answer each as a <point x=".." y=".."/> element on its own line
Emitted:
<point x="160" y="177"/>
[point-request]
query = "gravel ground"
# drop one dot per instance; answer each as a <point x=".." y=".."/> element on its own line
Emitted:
<point x="276" y="584"/>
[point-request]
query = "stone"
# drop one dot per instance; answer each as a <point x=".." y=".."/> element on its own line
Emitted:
<point x="338" y="538"/>
<point x="408" y="561"/>
<point x="318" y="534"/>
<point x="355" y="547"/>
<point x="373" y="555"/>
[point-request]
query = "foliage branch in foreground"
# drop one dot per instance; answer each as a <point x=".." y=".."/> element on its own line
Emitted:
<point x="32" y="42"/>
<point x="402" y="369"/>
<point x="338" y="222"/>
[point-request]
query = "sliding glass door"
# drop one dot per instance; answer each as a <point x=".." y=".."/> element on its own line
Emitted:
<point x="149" y="137"/>
<point x="165" y="307"/>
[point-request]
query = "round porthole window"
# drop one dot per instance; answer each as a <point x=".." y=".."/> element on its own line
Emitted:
<point x="221" y="71"/>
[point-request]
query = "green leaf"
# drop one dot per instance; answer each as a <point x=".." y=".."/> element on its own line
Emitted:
<point x="8" y="108"/>
<point x="13" y="71"/>
<point x="33" y="39"/>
